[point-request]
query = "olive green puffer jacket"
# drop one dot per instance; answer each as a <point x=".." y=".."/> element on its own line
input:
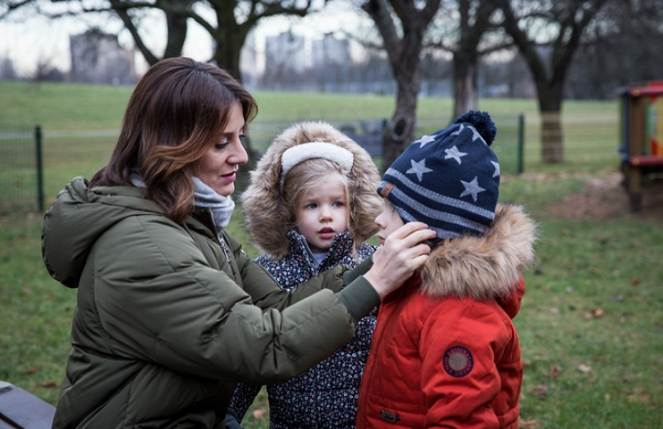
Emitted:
<point x="168" y="320"/>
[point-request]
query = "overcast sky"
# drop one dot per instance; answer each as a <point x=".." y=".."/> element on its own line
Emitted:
<point x="35" y="37"/>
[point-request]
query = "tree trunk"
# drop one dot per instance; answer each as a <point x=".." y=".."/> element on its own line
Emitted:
<point x="400" y="131"/>
<point x="465" y="82"/>
<point x="552" y="134"/>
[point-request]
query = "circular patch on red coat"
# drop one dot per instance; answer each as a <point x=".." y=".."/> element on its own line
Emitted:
<point x="457" y="361"/>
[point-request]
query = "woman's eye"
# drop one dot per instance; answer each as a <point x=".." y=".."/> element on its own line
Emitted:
<point x="221" y="145"/>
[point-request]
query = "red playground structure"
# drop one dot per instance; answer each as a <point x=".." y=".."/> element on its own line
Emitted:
<point x="641" y="137"/>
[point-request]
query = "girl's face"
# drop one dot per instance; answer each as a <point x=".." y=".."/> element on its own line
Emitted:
<point x="388" y="221"/>
<point x="218" y="168"/>
<point x="323" y="213"/>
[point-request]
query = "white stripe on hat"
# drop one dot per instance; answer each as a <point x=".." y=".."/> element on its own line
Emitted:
<point x="423" y="210"/>
<point x="439" y="198"/>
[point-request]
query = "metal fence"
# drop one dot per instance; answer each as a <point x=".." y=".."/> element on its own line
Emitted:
<point x="590" y="143"/>
<point x="21" y="169"/>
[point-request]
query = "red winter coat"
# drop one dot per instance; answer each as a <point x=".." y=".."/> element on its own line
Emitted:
<point x="445" y="353"/>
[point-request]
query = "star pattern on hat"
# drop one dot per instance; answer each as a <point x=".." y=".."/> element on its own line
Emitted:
<point x="460" y="130"/>
<point x="472" y="188"/>
<point x="454" y="153"/>
<point x="497" y="168"/>
<point x="476" y="135"/>
<point x="425" y="140"/>
<point x="419" y="168"/>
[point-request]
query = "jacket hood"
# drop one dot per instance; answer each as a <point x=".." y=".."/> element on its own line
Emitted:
<point x="483" y="267"/>
<point x="78" y="217"/>
<point x="265" y="210"/>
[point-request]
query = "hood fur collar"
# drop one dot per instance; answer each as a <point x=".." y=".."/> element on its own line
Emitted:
<point x="482" y="267"/>
<point x="267" y="216"/>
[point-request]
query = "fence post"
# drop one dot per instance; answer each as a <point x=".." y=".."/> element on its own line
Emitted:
<point x="521" y="143"/>
<point x="40" y="169"/>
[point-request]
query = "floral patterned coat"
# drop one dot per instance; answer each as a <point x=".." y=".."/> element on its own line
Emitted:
<point x="324" y="397"/>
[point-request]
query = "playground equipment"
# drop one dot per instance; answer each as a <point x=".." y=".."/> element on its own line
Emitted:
<point x="642" y="137"/>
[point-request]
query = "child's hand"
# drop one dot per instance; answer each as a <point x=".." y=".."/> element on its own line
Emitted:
<point x="401" y="255"/>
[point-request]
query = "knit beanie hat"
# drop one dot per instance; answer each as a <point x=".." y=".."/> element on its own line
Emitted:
<point x="449" y="179"/>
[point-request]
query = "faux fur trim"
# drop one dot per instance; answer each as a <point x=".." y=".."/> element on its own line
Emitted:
<point x="483" y="267"/>
<point x="265" y="209"/>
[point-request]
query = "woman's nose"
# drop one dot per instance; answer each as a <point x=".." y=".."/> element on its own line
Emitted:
<point x="239" y="155"/>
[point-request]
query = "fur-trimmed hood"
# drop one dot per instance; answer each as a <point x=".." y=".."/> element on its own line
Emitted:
<point x="483" y="267"/>
<point x="265" y="209"/>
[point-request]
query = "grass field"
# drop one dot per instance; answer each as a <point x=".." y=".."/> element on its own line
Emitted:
<point x="591" y="322"/>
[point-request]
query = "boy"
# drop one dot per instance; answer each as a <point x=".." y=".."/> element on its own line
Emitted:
<point x="445" y="352"/>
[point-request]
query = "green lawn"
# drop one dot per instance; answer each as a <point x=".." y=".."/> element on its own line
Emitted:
<point x="591" y="322"/>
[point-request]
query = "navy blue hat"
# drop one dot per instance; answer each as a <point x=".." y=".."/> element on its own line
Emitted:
<point x="449" y="179"/>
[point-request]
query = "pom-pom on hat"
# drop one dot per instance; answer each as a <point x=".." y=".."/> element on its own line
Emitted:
<point x="449" y="179"/>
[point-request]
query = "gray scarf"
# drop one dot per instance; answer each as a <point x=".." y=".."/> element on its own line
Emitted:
<point x="204" y="196"/>
<point x="220" y="206"/>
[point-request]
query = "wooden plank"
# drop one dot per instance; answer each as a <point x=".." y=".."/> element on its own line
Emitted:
<point x="645" y="161"/>
<point x="23" y="409"/>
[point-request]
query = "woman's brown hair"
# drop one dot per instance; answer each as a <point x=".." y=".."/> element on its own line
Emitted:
<point x="178" y="109"/>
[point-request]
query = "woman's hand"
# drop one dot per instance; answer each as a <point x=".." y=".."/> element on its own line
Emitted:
<point x="401" y="255"/>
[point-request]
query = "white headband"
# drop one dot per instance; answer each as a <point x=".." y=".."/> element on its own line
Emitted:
<point x="310" y="150"/>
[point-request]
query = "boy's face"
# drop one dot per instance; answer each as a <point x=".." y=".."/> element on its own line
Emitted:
<point x="323" y="213"/>
<point x="388" y="221"/>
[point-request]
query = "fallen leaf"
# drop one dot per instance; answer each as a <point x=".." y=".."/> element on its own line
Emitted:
<point x="626" y="378"/>
<point x="526" y="424"/>
<point x="593" y="270"/>
<point x="29" y="371"/>
<point x="540" y="391"/>
<point x="526" y="362"/>
<point x="635" y="281"/>
<point x="554" y="310"/>
<point x="555" y="370"/>
<point x="584" y="368"/>
<point x="594" y="314"/>
<point x="49" y="384"/>
<point x="26" y="290"/>
<point x="259" y="413"/>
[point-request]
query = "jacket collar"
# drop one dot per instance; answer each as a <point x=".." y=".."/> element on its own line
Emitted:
<point x="341" y="245"/>
<point x="482" y="267"/>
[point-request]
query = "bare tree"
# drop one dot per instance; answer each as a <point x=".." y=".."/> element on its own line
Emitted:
<point x="548" y="33"/>
<point x="228" y="22"/>
<point x="629" y="54"/>
<point x="402" y="25"/>
<point x="461" y="30"/>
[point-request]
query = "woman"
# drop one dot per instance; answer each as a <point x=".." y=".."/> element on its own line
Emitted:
<point x="171" y="313"/>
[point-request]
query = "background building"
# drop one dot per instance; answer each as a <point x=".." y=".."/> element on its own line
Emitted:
<point x="97" y="57"/>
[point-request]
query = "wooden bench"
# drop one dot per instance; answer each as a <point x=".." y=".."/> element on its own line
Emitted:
<point x="370" y="136"/>
<point x="20" y="409"/>
<point x="642" y="152"/>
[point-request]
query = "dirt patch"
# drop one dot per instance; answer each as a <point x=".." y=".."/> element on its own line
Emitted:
<point x="605" y="198"/>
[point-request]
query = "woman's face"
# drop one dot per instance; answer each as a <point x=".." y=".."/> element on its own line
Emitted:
<point x="218" y="168"/>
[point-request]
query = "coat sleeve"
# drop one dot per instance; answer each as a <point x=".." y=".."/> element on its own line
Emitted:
<point x="266" y="293"/>
<point x="458" y="346"/>
<point x="242" y="399"/>
<point x="158" y="300"/>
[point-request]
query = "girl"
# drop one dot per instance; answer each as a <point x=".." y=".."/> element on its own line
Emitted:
<point x="310" y="207"/>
